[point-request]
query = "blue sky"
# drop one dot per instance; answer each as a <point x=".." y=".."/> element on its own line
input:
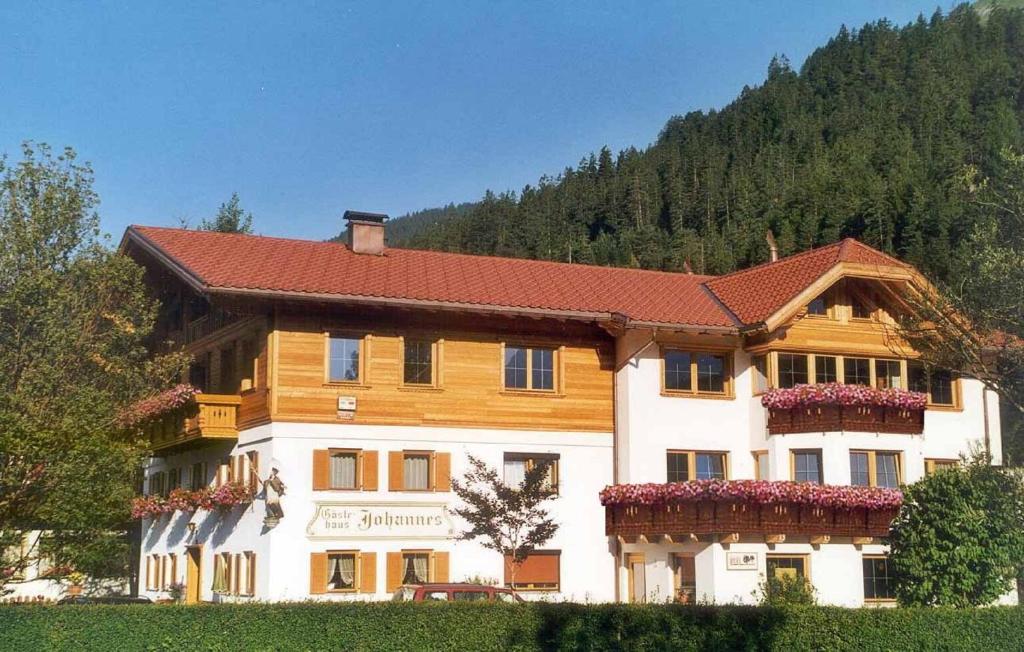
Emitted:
<point x="307" y="109"/>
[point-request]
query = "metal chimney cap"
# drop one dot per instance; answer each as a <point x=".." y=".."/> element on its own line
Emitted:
<point x="360" y="216"/>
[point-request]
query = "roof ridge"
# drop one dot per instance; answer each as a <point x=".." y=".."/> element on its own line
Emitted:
<point x="796" y="256"/>
<point x="700" y="278"/>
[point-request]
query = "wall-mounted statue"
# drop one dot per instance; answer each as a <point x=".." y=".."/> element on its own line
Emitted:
<point x="274" y="489"/>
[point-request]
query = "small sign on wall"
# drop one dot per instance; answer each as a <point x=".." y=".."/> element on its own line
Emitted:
<point x="741" y="561"/>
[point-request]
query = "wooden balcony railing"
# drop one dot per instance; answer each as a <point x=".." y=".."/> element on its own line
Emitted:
<point x="679" y="521"/>
<point x="834" y="418"/>
<point x="213" y="416"/>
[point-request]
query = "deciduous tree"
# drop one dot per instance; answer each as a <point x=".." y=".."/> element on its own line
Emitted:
<point x="75" y="320"/>
<point x="510" y="520"/>
<point x="959" y="537"/>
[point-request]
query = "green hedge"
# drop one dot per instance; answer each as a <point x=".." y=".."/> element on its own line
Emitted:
<point x="472" y="627"/>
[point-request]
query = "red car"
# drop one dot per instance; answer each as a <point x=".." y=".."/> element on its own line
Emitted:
<point x="456" y="592"/>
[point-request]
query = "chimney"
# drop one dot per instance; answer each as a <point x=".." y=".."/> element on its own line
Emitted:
<point x="772" y="247"/>
<point x="366" y="232"/>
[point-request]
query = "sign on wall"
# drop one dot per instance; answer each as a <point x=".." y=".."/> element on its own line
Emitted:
<point x="741" y="561"/>
<point x="344" y="520"/>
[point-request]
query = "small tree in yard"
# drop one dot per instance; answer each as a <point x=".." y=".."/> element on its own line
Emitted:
<point x="509" y="520"/>
<point x="959" y="537"/>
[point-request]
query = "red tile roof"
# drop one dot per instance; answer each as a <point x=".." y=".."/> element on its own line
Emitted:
<point x="230" y="261"/>
<point x="221" y="261"/>
<point x="756" y="293"/>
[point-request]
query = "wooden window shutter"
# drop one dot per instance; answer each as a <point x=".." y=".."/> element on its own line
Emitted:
<point x="538" y="568"/>
<point x="368" y="572"/>
<point x="396" y="461"/>
<point x="440" y="567"/>
<point x="251" y="588"/>
<point x="321" y="470"/>
<point x="442" y="471"/>
<point x="369" y="470"/>
<point x="394" y="579"/>
<point x="317" y="573"/>
<point x="254" y="471"/>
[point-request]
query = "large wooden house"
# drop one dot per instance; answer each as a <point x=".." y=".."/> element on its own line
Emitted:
<point x="361" y="377"/>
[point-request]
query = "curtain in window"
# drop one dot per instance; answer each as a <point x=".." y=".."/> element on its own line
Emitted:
<point x="220" y="575"/>
<point x="347" y="570"/>
<point x="415" y="569"/>
<point x="416" y="470"/>
<point x="343" y="470"/>
<point x="515" y="472"/>
<point x="420" y="562"/>
<point x="334" y="572"/>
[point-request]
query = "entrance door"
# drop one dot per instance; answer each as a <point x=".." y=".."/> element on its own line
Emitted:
<point x="193" y="574"/>
<point x="637" y="579"/>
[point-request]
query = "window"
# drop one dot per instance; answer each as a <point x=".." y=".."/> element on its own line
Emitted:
<point x="416" y="471"/>
<point x="529" y="368"/>
<point x="818" y="307"/>
<point x="156" y="483"/>
<point x="415" y="567"/>
<point x="437" y="596"/>
<point x="696" y="465"/>
<point x="934" y="465"/>
<point x="888" y="374"/>
<point x="760" y="465"/>
<point x="197" y="478"/>
<point x="173" y="479"/>
<point x="787" y="566"/>
<point x="221" y="573"/>
<point x="684" y="574"/>
<point x="418" y="362"/>
<point x="343" y="469"/>
<point x="518" y="464"/>
<point x="825" y="369"/>
<point x="759" y="367"/>
<point x="859" y="309"/>
<point x="792" y="370"/>
<point x="875" y="469"/>
<point x="540" y="571"/>
<point x="856" y="371"/>
<point x="341" y="571"/>
<point x="678" y="467"/>
<point x="860" y="473"/>
<point x="170" y="570"/>
<point x="469" y="596"/>
<point x="807" y="466"/>
<point x="936" y="383"/>
<point x="228" y="374"/>
<point x="677" y="371"/>
<point x="543" y="371"/>
<point x="710" y="373"/>
<point x="878" y="583"/>
<point x="343" y="360"/>
<point x="249" y="574"/>
<point x="711" y="370"/>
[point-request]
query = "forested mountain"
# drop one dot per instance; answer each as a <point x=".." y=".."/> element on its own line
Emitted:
<point x="404" y="228"/>
<point x="865" y="140"/>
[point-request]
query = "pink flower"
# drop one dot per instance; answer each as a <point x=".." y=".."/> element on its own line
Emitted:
<point x="157" y="405"/>
<point x="761" y="492"/>
<point x="839" y="394"/>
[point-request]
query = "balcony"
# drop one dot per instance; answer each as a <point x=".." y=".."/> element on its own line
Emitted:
<point x="210" y="417"/>
<point x="679" y="521"/>
<point x="729" y="509"/>
<point x="834" y="407"/>
<point x="835" y="418"/>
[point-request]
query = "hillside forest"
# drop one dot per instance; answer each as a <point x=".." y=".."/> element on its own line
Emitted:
<point x="867" y="139"/>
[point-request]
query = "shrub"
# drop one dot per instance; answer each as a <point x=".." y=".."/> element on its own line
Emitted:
<point x="535" y="626"/>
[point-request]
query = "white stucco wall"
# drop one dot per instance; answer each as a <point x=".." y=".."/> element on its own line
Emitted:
<point x="283" y="553"/>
